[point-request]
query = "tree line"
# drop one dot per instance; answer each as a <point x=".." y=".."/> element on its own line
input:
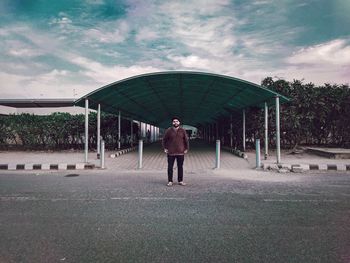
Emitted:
<point x="316" y="115"/>
<point x="60" y="131"/>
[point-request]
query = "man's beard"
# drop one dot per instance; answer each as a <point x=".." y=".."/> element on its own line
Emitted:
<point x="176" y="125"/>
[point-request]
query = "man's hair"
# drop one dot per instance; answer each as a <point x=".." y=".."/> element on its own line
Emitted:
<point x="174" y="118"/>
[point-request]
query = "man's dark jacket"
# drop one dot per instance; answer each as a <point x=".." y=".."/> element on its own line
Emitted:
<point x="175" y="141"/>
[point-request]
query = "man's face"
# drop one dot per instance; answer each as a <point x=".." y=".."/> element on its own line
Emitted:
<point x="176" y="123"/>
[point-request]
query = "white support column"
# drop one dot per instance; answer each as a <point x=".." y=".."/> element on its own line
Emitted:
<point x="154" y="133"/>
<point x="139" y="166"/>
<point x="142" y="129"/>
<point x="86" y="129"/>
<point x="257" y="155"/>
<point x="243" y="130"/>
<point x="102" y="161"/>
<point x="98" y="131"/>
<point x="132" y="133"/>
<point x="119" y="129"/>
<point x="278" y="139"/>
<point x="217" y="155"/>
<point x="266" y="131"/>
<point x="231" y="132"/>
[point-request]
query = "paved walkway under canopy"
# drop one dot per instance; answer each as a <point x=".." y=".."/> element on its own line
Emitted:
<point x="200" y="157"/>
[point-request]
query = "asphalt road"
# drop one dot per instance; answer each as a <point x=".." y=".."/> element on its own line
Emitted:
<point x="101" y="216"/>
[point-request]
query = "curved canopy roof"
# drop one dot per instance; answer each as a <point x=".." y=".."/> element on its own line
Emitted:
<point x="195" y="97"/>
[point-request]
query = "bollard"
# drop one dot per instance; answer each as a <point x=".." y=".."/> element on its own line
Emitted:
<point x="102" y="160"/>
<point x="140" y="154"/>
<point x="217" y="159"/>
<point x="257" y="148"/>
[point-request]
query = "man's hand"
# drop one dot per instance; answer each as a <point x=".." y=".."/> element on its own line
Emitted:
<point x="185" y="151"/>
<point x="166" y="150"/>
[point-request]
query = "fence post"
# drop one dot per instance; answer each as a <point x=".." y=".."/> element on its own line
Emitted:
<point x="217" y="157"/>
<point x="102" y="154"/>
<point x="257" y="149"/>
<point x="140" y="154"/>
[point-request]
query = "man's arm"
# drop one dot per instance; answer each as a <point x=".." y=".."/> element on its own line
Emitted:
<point x="186" y="142"/>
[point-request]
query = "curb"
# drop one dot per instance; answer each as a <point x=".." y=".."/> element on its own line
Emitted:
<point x="46" y="166"/>
<point x="121" y="152"/>
<point x="299" y="168"/>
<point x="236" y="152"/>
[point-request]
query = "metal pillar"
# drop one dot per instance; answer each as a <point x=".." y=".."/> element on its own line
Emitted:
<point x="278" y="141"/>
<point x="102" y="161"/>
<point x="155" y="133"/>
<point x="243" y="130"/>
<point x="140" y="154"/>
<point x="86" y="129"/>
<point x="257" y="149"/>
<point x="146" y="133"/>
<point x="98" y="131"/>
<point x="140" y="129"/>
<point x="217" y="155"/>
<point x="266" y="131"/>
<point x="119" y="129"/>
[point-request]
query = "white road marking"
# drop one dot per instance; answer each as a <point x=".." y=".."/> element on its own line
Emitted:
<point x="31" y="198"/>
<point x="297" y="200"/>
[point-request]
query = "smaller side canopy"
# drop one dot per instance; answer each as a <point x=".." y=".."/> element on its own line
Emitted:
<point x="195" y="97"/>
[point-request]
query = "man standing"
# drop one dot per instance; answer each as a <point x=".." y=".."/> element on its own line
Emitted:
<point x="175" y="144"/>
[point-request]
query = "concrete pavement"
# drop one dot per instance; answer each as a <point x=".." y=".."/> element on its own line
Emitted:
<point x="201" y="157"/>
<point x="113" y="216"/>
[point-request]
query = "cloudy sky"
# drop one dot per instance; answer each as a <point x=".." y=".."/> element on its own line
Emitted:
<point x="67" y="48"/>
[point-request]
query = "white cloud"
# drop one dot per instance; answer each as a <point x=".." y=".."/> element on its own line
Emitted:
<point x="323" y="63"/>
<point x="336" y="52"/>
<point x="199" y="7"/>
<point x="53" y="84"/>
<point x="212" y="34"/>
<point x="63" y="22"/>
<point x="116" y="33"/>
<point x="25" y="52"/>
<point x="198" y="35"/>
<point x="146" y="34"/>
<point x="103" y="75"/>
<point x="191" y="61"/>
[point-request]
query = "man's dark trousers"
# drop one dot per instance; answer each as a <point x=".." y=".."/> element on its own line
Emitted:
<point x="180" y="170"/>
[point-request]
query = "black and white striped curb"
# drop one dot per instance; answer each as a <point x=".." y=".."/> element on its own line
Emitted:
<point x="47" y="166"/>
<point x="236" y="152"/>
<point x="114" y="155"/>
<point x="299" y="168"/>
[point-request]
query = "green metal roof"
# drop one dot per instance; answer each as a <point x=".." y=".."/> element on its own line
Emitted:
<point x="195" y="97"/>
